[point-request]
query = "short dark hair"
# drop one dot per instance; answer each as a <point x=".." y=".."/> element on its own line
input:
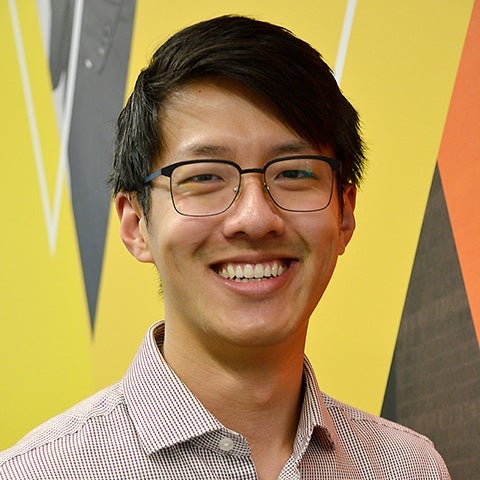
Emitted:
<point x="264" y="57"/>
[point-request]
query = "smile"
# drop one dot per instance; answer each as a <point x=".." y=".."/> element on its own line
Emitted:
<point x="247" y="272"/>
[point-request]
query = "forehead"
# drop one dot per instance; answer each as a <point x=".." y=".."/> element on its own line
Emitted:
<point x="218" y="93"/>
<point x="215" y="117"/>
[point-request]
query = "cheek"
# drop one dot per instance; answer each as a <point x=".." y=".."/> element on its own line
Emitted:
<point x="321" y="230"/>
<point x="177" y="242"/>
<point x="323" y="239"/>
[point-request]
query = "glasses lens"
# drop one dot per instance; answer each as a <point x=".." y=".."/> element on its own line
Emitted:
<point x="204" y="188"/>
<point x="300" y="185"/>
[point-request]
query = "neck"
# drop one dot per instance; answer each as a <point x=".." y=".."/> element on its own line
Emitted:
<point x="256" y="392"/>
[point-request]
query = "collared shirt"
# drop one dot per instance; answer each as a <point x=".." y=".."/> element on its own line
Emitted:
<point x="150" y="426"/>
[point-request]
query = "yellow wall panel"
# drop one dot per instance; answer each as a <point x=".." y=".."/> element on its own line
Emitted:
<point x="399" y="72"/>
<point x="45" y="362"/>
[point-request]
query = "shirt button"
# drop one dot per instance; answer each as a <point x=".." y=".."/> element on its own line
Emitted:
<point x="225" y="444"/>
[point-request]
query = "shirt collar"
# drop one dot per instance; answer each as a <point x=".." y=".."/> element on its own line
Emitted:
<point x="162" y="408"/>
<point x="165" y="412"/>
<point x="315" y="419"/>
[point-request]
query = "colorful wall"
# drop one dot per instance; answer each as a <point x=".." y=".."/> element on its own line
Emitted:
<point x="398" y="330"/>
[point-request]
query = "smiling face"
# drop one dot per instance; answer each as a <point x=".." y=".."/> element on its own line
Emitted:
<point x="250" y="276"/>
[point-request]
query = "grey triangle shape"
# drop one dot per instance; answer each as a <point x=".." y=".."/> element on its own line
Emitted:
<point x="434" y="383"/>
<point x="102" y="67"/>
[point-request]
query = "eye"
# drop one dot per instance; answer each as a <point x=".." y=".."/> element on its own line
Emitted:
<point x="196" y="174"/>
<point x="199" y="178"/>
<point x="296" y="174"/>
<point x="202" y="178"/>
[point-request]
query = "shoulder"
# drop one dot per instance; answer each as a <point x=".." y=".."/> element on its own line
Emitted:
<point x="77" y="429"/>
<point x="341" y="411"/>
<point x="385" y="446"/>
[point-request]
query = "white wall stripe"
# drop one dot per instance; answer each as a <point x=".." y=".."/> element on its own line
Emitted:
<point x="51" y="212"/>
<point x="344" y="39"/>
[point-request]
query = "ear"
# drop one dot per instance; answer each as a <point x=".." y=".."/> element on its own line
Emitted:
<point x="347" y="225"/>
<point x="133" y="228"/>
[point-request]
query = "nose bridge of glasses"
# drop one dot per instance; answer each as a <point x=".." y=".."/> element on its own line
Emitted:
<point x="251" y="170"/>
<point x="241" y="187"/>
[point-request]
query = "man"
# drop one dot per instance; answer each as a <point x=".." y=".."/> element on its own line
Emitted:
<point x="235" y="172"/>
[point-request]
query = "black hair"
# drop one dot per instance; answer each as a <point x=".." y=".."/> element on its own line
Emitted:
<point x="266" y="58"/>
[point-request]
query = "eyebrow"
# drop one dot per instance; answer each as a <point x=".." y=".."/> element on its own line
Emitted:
<point x="221" y="151"/>
<point x="292" y="147"/>
<point x="205" y="150"/>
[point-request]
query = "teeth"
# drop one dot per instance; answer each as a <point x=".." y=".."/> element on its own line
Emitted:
<point x="274" y="269"/>
<point x="259" y="271"/>
<point x="249" y="271"/>
<point x="238" y="271"/>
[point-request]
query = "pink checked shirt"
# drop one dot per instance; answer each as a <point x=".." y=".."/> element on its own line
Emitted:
<point x="150" y="426"/>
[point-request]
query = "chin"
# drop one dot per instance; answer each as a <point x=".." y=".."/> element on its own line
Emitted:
<point x="263" y="333"/>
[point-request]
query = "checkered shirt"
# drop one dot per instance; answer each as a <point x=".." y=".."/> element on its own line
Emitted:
<point x="150" y="426"/>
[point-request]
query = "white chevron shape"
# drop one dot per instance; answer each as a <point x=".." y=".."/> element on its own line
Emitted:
<point x="344" y="39"/>
<point x="51" y="212"/>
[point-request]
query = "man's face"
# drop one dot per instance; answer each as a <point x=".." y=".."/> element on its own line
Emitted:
<point x="223" y="120"/>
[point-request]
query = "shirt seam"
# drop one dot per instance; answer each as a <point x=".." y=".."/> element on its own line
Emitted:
<point x="81" y="426"/>
<point x="394" y="426"/>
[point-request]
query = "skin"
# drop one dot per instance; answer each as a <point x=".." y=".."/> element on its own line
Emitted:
<point x="233" y="327"/>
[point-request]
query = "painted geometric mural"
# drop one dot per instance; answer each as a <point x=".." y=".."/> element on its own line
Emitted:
<point x="398" y="329"/>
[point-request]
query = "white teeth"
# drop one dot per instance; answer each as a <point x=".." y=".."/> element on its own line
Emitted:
<point x="275" y="269"/>
<point x="249" y="271"/>
<point x="259" y="271"/>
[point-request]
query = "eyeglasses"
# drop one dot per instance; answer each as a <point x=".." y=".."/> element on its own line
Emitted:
<point x="202" y="188"/>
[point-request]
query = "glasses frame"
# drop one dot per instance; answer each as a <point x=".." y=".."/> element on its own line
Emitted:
<point x="169" y="169"/>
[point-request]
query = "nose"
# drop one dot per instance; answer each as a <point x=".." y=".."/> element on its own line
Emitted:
<point x="253" y="214"/>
